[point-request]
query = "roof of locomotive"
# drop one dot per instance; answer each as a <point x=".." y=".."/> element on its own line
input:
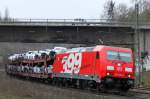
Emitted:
<point x="97" y="48"/>
<point x="100" y="47"/>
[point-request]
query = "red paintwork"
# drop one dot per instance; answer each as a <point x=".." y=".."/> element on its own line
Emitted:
<point x="90" y="65"/>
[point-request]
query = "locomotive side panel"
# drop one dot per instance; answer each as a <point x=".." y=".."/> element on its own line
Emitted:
<point x="84" y="65"/>
<point x="88" y="63"/>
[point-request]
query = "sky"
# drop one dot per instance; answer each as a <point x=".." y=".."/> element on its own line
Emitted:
<point x="55" y="9"/>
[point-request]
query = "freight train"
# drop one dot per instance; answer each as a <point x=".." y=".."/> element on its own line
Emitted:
<point x="99" y="67"/>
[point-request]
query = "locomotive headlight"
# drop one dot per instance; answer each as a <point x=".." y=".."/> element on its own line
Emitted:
<point x="110" y="67"/>
<point x="108" y="74"/>
<point x="129" y="76"/>
<point x="128" y="69"/>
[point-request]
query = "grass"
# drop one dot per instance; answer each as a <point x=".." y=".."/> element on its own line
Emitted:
<point x="146" y="79"/>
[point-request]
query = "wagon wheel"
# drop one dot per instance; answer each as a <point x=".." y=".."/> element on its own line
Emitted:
<point x="102" y="88"/>
<point x="54" y="81"/>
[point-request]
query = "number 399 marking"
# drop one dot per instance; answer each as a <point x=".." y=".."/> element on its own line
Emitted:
<point x="72" y="63"/>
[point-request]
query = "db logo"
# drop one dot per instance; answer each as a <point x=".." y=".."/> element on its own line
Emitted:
<point x="72" y="63"/>
<point x="119" y="69"/>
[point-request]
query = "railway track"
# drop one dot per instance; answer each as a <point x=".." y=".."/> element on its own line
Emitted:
<point x="103" y="95"/>
<point x="93" y="94"/>
<point x="87" y="94"/>
<point x="141" y="90"/>
<point x="132" y="94"/>
<point x="136" y="93"/>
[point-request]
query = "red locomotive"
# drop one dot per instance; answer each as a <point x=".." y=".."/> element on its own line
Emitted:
<point x="99" y="67"/>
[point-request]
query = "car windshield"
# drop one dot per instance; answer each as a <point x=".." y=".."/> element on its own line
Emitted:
<point x="122" y="56"/>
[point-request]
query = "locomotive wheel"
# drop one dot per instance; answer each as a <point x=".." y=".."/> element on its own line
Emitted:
<point x="65" y="83"/>
<point x="102" y="88"/>
<point x="91" y="85"/>
<point x="83" y="84"/>
<point x="124" y="88"/>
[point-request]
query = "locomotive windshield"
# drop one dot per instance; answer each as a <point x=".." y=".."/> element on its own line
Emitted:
<point x="122" y="56"/>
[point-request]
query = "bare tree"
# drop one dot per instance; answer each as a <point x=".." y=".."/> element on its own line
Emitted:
<point x="6" y="17"/>
<point x="0" y="16"/>
<point x="125" y="13"/>
<point x="144" y="10"/>
<point x="143" y="4"/>
<point x="109" y="10"/>
<point x="122" y="12"/>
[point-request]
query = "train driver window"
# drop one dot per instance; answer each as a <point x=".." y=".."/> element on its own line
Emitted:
<point x="97" y="55"/>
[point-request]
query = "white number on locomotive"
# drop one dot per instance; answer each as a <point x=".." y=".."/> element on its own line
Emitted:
<point x="72" y="63"/>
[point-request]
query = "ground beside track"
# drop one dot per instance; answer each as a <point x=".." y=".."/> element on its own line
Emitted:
<point x="14" y="88"/>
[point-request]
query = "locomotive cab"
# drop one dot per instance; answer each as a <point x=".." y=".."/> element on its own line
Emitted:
<point x="117" y="67"/>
